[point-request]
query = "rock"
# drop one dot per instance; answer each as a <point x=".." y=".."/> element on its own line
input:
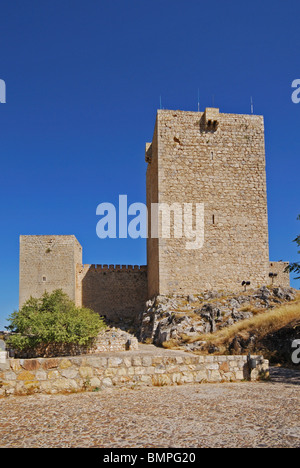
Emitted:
<point x="107" y="382"/>
<point x="210" y="311"/>
<point x="25" y="376"/>
<point x="50" y="364"/>
<point x="211" y="295"/>
<point x="242" y="299"/>
<point x="168" y="318"/>
<point x="289" y="296"/>
<point x="239" y="315"/>
<point x="263" y="294"/>
<point x="234" y="303"/>
<point x="160" y="300"/>
<point x="86" y="372"/>
<point x="228" y="323"/>
<point x="278" y="292"/>
<point x="191" y="298"/>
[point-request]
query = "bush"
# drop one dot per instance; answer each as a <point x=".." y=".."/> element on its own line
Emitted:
<point x="54" y="322"/>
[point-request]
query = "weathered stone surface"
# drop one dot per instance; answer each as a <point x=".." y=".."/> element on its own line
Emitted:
<point x="69" y="373"/>
<point x="15" y="365"/>
<point x="31" y="364"/>
<point x="107" y="382"/>
<point x="25" y="375"/>
<point x="50" y="363"/>
<point x="86" y="372"/>
<point x="224" y="367"/>
<point x="65" y="363"/>
<point x="53" y="374"/>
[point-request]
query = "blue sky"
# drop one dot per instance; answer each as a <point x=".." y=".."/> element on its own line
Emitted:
<point x="84" y="80"/>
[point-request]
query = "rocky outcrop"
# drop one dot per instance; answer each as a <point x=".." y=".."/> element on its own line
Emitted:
<point x="177" y="317"/>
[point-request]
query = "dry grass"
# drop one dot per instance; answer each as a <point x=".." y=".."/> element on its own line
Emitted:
<point x="251" y="308"/>
<point x="261" y="324"/>
<point x="171" y="344"/>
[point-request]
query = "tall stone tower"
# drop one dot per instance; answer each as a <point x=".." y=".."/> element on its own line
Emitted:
<point x="48" y="263"/>
<point x="218" y="162"/>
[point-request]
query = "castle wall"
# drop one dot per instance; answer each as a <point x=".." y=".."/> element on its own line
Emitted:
<point x="282" y="278"/>
<point x="219" y="160"/>
<point x="48" y="263"/>
<point x="117" y="292"/>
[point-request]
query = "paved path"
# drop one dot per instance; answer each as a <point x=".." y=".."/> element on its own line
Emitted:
<point x="262" y="414"/>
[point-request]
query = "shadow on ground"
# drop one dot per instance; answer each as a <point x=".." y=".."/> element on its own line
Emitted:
<point x="285" y="375"/>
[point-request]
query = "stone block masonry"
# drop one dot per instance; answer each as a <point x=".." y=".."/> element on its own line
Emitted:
<point x="219" y="160"/>
<point x="48" y="263"/>
<point x="278" y="275"/>
<point x="127" y="369"/>
<point x="117" y="292"/>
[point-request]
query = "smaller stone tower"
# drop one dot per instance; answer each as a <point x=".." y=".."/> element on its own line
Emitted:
<point x="48" y="263"/>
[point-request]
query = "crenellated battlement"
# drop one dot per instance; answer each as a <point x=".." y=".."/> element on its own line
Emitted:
<point x="114" y="268"/>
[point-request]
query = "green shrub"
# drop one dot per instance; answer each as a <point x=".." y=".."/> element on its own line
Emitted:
<point x="53" y="320"/>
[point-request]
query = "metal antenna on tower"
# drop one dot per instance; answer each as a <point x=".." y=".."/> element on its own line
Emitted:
<point x="198" y="100"/>
<point x="252" y="108"/>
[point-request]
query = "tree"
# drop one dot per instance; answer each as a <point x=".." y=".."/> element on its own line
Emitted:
<point x="295" y="267"/>
<point x="52" y="321"/>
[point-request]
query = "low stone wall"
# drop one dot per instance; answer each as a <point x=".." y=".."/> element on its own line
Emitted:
<point x="114" y="339"/>
<point x="130" y="369"/>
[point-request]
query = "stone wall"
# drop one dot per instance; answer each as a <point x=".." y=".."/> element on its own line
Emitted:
<point x="112" y="340"/>
<point x="117" y="292"/>
<point x="73" y="374"/>
<point x="282" y="278"/>
<point x="48" y="263"/>
<point x="219" y="160"/>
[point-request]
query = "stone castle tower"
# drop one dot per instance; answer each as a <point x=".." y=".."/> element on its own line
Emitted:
<point x="218" y="160"/>
<point x="207" y="158"/>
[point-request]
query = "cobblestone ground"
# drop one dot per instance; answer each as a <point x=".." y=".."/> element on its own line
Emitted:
<point x="263" y="414"/>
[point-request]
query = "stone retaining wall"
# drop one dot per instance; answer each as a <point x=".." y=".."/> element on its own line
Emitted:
<point x="81" y="373"/>
<point x="114" y="340"/>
